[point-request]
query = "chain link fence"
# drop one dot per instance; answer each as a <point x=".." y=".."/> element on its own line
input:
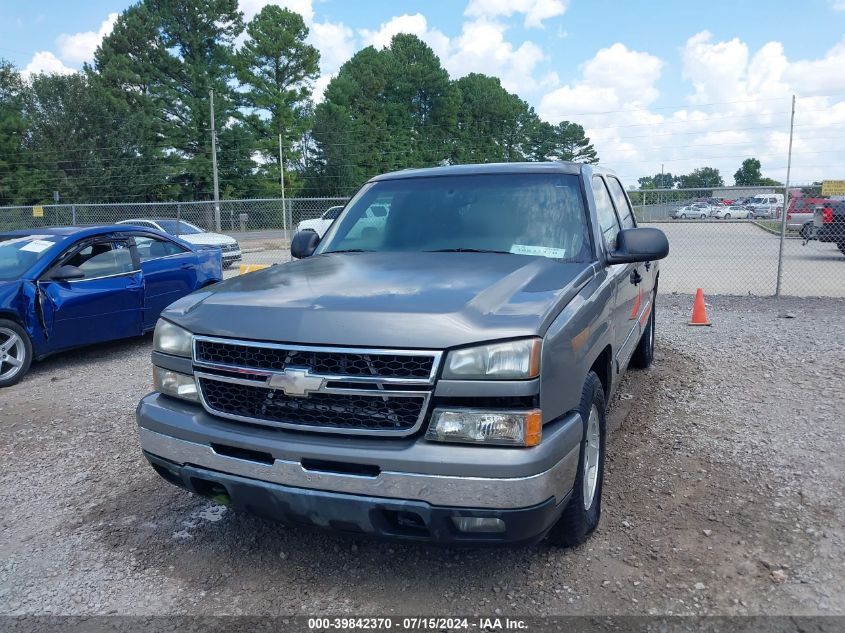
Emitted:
<point x="726" y="240"/>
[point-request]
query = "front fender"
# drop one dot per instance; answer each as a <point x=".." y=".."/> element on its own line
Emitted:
<point x="572" y="344"/>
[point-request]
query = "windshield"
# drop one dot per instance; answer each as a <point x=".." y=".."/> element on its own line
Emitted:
<point x="19" y="253"/>
<point x="175" y="227"/>
<point x="520" y="214"/>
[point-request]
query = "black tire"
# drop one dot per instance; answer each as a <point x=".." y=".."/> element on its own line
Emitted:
<point x="683" y="216"/>
<point x="644" y="354"/>
<point x="26" y="348"/>
<point x="727" y="216"/>
<point x="576" y="523"/>
<point x="749" y="216"/>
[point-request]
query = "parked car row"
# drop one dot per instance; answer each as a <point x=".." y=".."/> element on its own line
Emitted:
<point x="761" y="206"/>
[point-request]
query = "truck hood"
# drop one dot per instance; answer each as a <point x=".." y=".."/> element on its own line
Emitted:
<point x="400" y="300"/>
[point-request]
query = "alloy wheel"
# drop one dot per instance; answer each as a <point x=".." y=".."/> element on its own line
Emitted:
<point x="592" y="452"/>
<point x="12" y="353"/>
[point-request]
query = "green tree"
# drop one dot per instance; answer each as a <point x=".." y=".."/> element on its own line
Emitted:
<point x="386" y="109"/>
<point x="487" y="120"/>
<point x="659" y="181"/>
<point x="78" y="148"/>
<point x="573" y="144"/>
<point x="749" y="173"/>
<point x="14" y="162"/>
<point x="701" y="178"/>
<point x="276" y="68"/>
<point x="164" y="56"/>
<point x="565" y="141"/>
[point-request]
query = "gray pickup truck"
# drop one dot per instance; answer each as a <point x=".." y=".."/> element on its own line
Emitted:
<point x="438" y="375"/>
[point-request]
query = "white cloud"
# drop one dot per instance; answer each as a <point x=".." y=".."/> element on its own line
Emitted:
<point x="837" y="5"/>
<point x="336" y="43"/>
<point x="615" y="78"/>
<point x="77" y="48"/>
<point x="45" y="62"/>
<point x="481" y="47"/>
<point x="305" y="8"/>
<point x="415" y="24"/>
<point x="739" y="103"/>
<point x="535" y="11"/>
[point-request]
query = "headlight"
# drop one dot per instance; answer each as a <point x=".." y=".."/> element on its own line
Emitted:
<point x="512" y="360"/>
<point x="172" y="339"/>
<point x="172" y="383"/>
<point x="511" y="428"/>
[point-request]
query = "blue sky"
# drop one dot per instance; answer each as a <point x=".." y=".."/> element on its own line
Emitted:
<point x="678" y="83"/>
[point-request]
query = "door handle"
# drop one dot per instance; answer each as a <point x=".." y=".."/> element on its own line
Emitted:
<point x="186" y="266"/>
<point x="636" y="278"/>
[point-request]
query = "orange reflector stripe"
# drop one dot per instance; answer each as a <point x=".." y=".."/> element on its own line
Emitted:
<point x="533" y="427"/>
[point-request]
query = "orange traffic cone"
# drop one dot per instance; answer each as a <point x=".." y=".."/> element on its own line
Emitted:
<point x="699" y="312"/>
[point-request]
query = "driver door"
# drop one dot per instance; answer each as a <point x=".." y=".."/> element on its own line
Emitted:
<point x="104" y="305"/>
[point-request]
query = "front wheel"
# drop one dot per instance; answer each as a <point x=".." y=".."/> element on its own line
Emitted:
<point x="703" y="216"/>
<point x="15" y="352"/>
<point x="727" y="216"/>
<point x="583" y="511"/>
<point x="683" y="216"/>
<point x="749" y="216"/>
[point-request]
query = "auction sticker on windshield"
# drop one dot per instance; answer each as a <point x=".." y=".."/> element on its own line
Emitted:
<point x="542" y="251"/>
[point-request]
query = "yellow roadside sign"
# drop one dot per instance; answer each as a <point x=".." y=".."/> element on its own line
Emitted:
<point x="38" y="212"/>
<point x="833" y="187"/>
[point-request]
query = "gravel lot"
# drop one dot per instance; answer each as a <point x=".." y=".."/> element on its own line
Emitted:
<point x="724" y="495"/>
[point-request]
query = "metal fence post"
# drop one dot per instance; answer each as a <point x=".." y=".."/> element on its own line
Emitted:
<point x="73" y="214"/>
<point x="785" y="201"/>
<point x="178" y="214"/>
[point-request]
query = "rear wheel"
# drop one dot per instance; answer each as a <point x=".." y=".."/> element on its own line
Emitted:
<point x="806" y="230"/>
<point x="683" y="216"/>
<point x="727" y="216"/>
<point x="583" y="511"/>
<point x="703" y="216"/>
<point x="15" y="352"/>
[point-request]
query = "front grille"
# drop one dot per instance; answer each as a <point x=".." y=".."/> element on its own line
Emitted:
<point x="333" y="363"/>
<point x="228" y="248"/>
<point x="327" y="411"/>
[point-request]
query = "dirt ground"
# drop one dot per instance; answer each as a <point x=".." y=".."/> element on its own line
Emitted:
<point x="723" y="495"/>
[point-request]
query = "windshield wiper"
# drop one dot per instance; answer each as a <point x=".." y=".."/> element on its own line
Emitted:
<point x="348" y="250"/>
<point x="467" y="250"/>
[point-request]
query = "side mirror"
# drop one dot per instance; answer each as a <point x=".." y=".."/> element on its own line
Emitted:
<point x="67" y="272"/>
<point x="303" y="244"/>
<point x="639" y="245"/>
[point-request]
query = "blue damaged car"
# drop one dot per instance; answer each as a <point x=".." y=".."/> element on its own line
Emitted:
<point x="66" y="287"/>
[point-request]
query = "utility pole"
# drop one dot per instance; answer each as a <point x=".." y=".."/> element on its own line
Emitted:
<point x="282" y="183"/>
<point x="662" y="182"/>
<point x="214" y="165"/>
<point x="785" y="200"/>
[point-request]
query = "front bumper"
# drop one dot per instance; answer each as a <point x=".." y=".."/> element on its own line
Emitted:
<point x="403" y="519"/>
<point x="326" y="480"/>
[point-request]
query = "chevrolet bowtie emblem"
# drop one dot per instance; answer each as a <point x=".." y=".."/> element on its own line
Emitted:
<point x="296" y="381"/>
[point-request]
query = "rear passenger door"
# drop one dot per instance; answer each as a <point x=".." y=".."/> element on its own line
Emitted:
<point x="170" y="273"/>
<point x="625" y="278"/>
